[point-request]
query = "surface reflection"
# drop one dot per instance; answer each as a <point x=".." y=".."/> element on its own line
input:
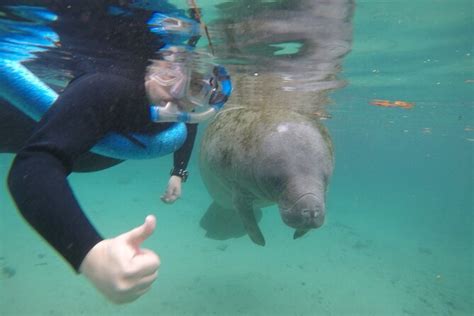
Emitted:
<point x="286" y="52"/>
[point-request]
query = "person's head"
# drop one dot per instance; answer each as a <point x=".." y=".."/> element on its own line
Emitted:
<point x="176" y="87"/>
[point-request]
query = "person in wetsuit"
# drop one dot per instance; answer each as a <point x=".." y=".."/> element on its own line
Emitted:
<point x="108" y="93"/>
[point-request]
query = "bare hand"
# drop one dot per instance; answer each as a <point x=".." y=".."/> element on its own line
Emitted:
<point x="173" y="191"/>
<point x="119" y="268"/>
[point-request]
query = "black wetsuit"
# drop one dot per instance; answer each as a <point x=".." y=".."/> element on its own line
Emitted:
<point x="108" y="94"/>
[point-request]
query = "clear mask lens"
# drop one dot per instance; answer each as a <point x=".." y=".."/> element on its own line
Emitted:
<point x="201" y="89"/>
<point x="166" y="77"/>
<point x="171" y="80"/>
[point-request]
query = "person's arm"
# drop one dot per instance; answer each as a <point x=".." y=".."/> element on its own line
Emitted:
<point x="88" y="108"/>
<point x="179" y="172"/>
<point x="38" y="176"/>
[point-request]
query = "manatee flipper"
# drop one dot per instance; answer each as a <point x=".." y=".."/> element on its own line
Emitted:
<point x="16" y="128"/>
<point x="299" y="232"/>
<point x="223" y="223"/>
<point x="244" y="206"/>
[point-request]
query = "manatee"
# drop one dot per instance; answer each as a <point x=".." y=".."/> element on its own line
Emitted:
<point x="256" y="157"/>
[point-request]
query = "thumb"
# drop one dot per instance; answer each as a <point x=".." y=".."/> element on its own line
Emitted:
<point x="138" y="235"/>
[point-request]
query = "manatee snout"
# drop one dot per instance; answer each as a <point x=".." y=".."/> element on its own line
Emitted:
<point x="307" y="212"/>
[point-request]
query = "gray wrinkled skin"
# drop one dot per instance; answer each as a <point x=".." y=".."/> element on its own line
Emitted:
<point x="252" y="158"/>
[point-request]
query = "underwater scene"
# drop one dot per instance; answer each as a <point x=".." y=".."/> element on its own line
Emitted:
<point x="331" y="174"/>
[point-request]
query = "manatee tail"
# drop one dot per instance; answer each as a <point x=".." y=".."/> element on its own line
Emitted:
<point x="222" y="223"/>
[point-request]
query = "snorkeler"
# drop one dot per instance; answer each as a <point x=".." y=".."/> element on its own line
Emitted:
<point x="111" y="92"/>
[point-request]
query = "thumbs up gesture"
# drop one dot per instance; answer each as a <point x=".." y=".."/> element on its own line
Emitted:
<point x="119" y="268"/>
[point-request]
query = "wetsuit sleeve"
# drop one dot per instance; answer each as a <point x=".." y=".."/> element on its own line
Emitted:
<point x="181" y="156"/>
<point x="82" y="115"/>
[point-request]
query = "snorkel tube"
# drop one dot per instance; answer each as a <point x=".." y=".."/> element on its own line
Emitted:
<point x="219" y="96"/>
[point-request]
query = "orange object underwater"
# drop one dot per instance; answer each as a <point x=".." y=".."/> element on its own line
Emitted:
<point x="392" y="104"/>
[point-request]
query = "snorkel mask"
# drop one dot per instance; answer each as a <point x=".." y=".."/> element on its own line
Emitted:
<point x="179" y="92"/>
<point x="189" y="97"/>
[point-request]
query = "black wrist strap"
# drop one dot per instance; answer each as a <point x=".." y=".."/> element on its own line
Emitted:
<point x="182" y="173"/>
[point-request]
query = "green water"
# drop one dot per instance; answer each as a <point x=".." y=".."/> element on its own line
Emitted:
<point x="399" y="234"/>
